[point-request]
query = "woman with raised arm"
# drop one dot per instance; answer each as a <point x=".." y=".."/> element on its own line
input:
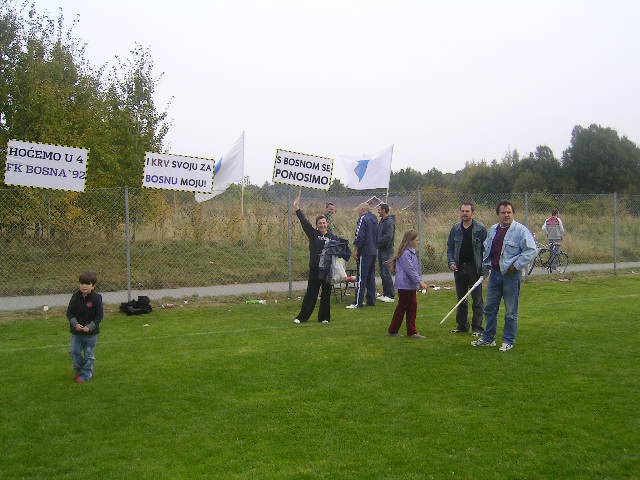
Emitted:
<point x="322" y="246"/>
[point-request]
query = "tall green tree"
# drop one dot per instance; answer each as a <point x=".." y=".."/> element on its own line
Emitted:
<point x="539" y="172"/>
<point x="599" y="161"/>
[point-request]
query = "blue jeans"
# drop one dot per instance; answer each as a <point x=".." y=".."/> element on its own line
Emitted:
<point x="500" y="287"/>
<point x="82" y="354"/>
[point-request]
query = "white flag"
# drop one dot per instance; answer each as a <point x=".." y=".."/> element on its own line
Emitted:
<point x="368" y="171"/>
<point x="229" y="169"/>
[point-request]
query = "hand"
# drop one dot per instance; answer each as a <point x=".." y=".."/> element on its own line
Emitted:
<point x="453" y="267"/>
<point x="79" y="327"/>
<point x="424" y="287"/>
<point x="512" y="270"/>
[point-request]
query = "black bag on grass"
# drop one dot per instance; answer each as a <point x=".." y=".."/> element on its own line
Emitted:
<point x="137" y="307"/>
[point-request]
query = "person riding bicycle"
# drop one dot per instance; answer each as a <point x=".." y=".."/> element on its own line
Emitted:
<point x="555" y="233"/>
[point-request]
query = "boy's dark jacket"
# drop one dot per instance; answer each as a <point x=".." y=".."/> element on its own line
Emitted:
<point x="87" y="311"/>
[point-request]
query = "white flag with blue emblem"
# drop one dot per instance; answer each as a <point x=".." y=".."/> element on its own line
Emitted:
<point x="368" y="171"/>
<point x="229" y="169"/>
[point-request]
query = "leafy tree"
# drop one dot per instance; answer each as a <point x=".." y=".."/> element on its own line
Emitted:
<point x="599" y="161"/>
<point x="539" y="172"/>
<point x="49" y="93"/>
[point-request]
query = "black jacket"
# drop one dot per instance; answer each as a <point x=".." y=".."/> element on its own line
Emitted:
<point x="386" y="233"/>
<point x="332" y="248"/>
<point x="316" y="240"/>
<point x="87" y="311"/>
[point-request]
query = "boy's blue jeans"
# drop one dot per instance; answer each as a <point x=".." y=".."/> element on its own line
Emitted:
<point x="500" y="287"/>
<point x="82" y="354"/>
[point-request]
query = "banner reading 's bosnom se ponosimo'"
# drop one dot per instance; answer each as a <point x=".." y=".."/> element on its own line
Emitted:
<point x="302" y="170"/>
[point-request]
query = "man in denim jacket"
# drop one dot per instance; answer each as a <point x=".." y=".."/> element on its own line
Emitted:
<point x="509" y="248"/>
<point x="464" y="254"/>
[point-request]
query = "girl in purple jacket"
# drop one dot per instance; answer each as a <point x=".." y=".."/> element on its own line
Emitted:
<point x="408" y="280"/>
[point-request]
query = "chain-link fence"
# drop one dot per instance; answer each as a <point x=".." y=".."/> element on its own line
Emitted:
<point x="147" y="239"/>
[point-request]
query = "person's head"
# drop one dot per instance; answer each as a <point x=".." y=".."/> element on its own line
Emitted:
<point x="322" y="225"/>
<point x="87" y="282"/>
<point x="410" y="239"/>
<point x="466" y="211"/>
<point x="505" y="212"/>
<point x="363" y="208"/>
<point x="383" y="210"/>
<point x="555" y="212"/>
<point x="329" y="209"/>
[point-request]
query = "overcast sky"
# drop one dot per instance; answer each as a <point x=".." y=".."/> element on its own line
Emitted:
<point x="444" y="81"/>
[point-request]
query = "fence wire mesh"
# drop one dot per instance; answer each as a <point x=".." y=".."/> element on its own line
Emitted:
<point x="48" y="237"/>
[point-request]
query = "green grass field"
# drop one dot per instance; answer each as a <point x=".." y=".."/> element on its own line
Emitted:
<point x="236" y="391"/>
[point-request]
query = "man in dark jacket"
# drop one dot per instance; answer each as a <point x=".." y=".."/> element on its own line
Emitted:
<point x="386" y="235"/>
<point x="464" y="254"/>
<point x="366" y="236"/>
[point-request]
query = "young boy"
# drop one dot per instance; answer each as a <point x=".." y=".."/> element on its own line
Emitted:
<point x="84" y="314"/>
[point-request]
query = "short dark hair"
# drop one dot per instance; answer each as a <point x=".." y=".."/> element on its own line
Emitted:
<point x="384" y="207"/>
<point x="505" y="203"/>
<point x="319" y="217"/>
<point x="329" y="203"/>
<point x="471" y="204"/>
<point x="554" y="213"/>
<point x="88" y="278"/>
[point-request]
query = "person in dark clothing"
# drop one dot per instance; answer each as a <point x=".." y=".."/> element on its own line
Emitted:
<point x="318" y="237"/>
<point x="85" y="312"/>
<point x="386" y="235"/>
<point x="464" y="254"/>
<point x="366" y="237"/>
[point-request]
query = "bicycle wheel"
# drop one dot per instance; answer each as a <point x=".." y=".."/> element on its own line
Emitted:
<point x="541" y="262"/>
<point x="560" y="263"/>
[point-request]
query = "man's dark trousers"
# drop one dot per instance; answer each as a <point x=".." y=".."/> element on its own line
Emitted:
<point x="366" y="280"/>
<point x="465" y="277"/>
<point x="385" y="274"/>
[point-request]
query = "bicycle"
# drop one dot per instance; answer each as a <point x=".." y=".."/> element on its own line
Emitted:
<point x="550" y="258"/>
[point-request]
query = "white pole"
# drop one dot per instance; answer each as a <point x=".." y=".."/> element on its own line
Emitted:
<point x="478" y="282"/>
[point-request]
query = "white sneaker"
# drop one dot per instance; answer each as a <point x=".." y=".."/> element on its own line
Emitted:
<point x="296" y="321"/>
<point x="483" y="343"/>
<point x="353" y="305"/>
<point x="505" y="347"/>
<point x="325" y="321"/>
<point x="386" y="299"/>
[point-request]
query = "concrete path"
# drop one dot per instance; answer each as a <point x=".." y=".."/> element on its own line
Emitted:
<point x="62" y="300"/>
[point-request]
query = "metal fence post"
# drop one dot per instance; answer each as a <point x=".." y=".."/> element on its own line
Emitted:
<point x="127" y="241"/>
<point x="615" y="232"/>
<point x="290" y="241"/>
<point x="419" y="224"/>
<point x="526" y="209"/>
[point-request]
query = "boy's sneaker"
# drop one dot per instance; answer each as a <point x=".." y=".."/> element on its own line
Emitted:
<point x="477" y="334"/>
<point x="481" y="342"/>
<point x="457" y="330"/>
<point x="386" y="299"/>
<point x="353" y="305"/>
<point x="325" y="321"/>
<point x="505" y="347"/>
<point x="393" y="334"/>
<point x="417" y="335"/>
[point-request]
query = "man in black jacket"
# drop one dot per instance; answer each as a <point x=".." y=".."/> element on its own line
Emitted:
<point x="386" y="235"/>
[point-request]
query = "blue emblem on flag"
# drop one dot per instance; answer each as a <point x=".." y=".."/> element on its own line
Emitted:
<point x="361" y="169"/>
<point x="216" y="169"/>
